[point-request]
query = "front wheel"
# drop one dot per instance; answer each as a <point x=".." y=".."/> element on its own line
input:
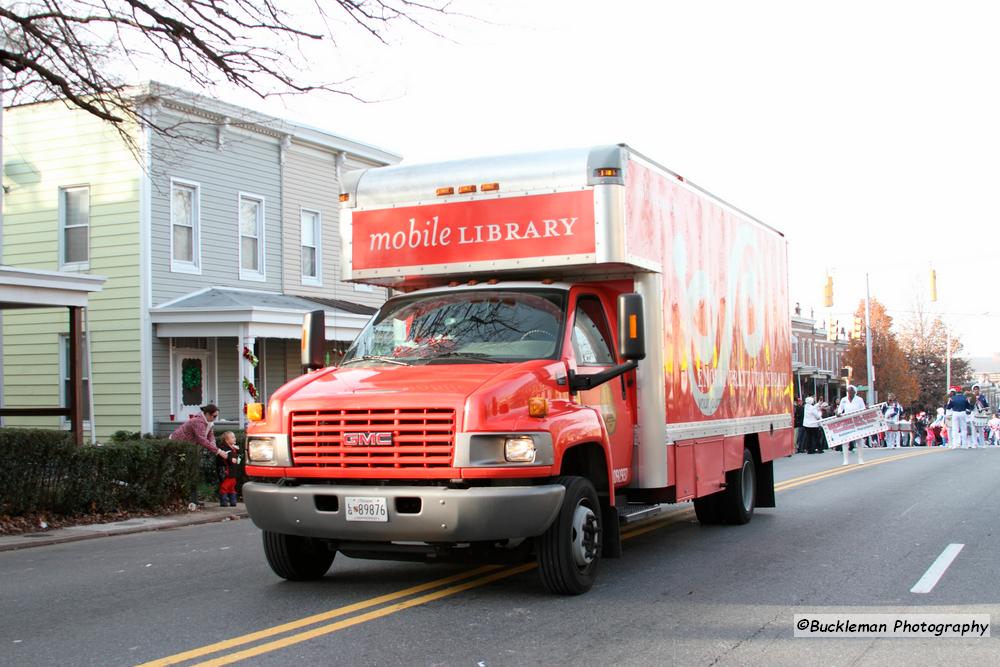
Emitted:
<point x="568" y="552"/>
<point x="297" y="558"/>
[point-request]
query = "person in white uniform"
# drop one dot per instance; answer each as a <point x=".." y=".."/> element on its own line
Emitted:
<point x="980" y="417"/>
<point x="893" y="412"/>
<point x="848" y="404"/>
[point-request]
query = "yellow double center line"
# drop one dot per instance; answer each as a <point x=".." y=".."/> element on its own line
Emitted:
<point x="432" y="590"/>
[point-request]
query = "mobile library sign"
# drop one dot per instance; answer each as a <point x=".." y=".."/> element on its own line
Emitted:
<point x="854" y="426"/>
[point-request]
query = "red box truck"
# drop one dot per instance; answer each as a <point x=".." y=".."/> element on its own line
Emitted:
<point x="577" y="337"/>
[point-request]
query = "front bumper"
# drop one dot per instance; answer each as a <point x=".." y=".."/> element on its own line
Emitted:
<point x="444" y="515"/>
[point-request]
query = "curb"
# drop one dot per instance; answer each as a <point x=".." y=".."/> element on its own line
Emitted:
<point x="65" y="535"/>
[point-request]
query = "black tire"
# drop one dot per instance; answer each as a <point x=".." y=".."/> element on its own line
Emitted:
<point x="297" y="558"/>
<point x="708" y="509"/>
<point x="740" y="496"/>
<point x="569" y="551"/>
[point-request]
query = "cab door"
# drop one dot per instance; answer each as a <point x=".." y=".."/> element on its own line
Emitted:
<point x="593" y="348"/>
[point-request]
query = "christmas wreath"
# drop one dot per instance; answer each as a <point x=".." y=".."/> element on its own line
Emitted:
<point x="191" y="377"/>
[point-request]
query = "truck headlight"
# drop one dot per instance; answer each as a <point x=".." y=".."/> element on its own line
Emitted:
<point x="520" y="449"/>
<point x="260" y="450"/>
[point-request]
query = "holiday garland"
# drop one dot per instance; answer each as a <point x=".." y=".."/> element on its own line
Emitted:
<point x="248" y="386"/>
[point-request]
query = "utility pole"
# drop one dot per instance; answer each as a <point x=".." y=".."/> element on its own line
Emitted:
<point x="872" y="395"/>
<point x="947" y="375"/>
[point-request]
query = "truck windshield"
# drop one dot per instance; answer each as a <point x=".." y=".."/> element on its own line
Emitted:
<point x="474" y="326"/>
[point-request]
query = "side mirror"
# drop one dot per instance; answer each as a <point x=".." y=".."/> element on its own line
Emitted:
<point x="314" y="340"/>
<point x="631" y="345"/>
<point x="631" y="327"/>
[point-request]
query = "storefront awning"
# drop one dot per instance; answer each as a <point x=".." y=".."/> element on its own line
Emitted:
<point x="224" y="311"/>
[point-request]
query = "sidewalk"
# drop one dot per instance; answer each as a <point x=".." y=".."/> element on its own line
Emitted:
<point x="207" y="514"/>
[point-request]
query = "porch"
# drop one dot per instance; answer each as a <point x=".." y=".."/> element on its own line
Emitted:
<point x="231" y="347"/>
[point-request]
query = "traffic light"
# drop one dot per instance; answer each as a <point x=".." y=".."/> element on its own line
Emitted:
<point x="933" y="285"/>
<point x="859" y="328"/>
<point x="828" y="292"/>
<point x="831" y="330"/>
<point x="845" y="373"/>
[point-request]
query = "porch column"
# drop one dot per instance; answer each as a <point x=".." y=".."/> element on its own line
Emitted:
<point x="74" y="398"/>
<point x="246" y="371"/>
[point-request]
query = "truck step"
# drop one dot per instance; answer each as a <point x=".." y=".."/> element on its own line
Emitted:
<point x="633" y="512"/>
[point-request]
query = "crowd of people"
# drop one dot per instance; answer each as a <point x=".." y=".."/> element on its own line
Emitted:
<point x="966" y="419"/>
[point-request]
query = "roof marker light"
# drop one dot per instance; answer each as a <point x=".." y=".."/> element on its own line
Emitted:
<point x="490" y="187"/>
<point x="607" y="172"/>
<point x="443" y="192"/>
<point x="466" y="189"/>
<point x="345" y="196"/>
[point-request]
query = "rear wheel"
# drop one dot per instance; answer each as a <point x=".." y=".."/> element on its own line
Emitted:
<point x="568" y="552"/>
<point x="739" y="499"/>
<point x="708" y="509"/>
<point x="297" y="558"/>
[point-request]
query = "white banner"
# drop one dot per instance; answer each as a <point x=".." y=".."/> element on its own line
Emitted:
<point x="854" y="426"/>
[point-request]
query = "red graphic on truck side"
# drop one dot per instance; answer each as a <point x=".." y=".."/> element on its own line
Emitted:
<point x="727" y="339"/>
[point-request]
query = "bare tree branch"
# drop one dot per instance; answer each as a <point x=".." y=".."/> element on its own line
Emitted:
<point x="72" y="49"/>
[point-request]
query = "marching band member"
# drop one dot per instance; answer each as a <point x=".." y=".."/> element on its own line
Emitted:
<point x="892" y="411"/>
<point x="980" y="416"/>
<point x="960" y="408"/>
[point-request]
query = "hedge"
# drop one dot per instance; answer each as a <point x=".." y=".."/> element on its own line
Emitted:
<point x="43" y="471"/>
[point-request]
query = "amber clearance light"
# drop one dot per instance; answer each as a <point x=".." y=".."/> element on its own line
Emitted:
<point x="255" y="412"/>
<point x="538" y="406"/>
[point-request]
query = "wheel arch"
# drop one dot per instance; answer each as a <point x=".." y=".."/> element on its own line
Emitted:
<point x="590" y="460"/>
<point x="764" y="493"/>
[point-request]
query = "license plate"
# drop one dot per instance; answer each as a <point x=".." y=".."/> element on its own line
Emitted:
<point x="366" y="509"/>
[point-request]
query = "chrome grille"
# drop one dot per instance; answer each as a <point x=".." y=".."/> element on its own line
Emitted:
<point x="421" y="438"/>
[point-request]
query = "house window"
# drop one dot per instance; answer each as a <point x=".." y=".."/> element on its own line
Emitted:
<point x="64" y="374"/>
<point x="311" y="269"/>
<point x="251" y="238"/>
<point x="74" y="225"/>
<point x="185" y="242"/>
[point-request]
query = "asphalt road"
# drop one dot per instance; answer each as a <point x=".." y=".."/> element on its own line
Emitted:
<point x="856" y="540"/>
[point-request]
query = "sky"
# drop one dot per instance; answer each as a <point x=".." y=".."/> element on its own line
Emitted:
<point x="867" y="132"/>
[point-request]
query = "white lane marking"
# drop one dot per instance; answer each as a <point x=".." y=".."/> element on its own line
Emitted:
<point x="937" y="569"/>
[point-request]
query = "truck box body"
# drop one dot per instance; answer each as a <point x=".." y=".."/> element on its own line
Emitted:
<point x="715" y="278"/>
<point x="539" y="248"/>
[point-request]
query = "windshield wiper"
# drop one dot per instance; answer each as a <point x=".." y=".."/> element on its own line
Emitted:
<point x="478" y="356"/>
<point x="372" y="357"/>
